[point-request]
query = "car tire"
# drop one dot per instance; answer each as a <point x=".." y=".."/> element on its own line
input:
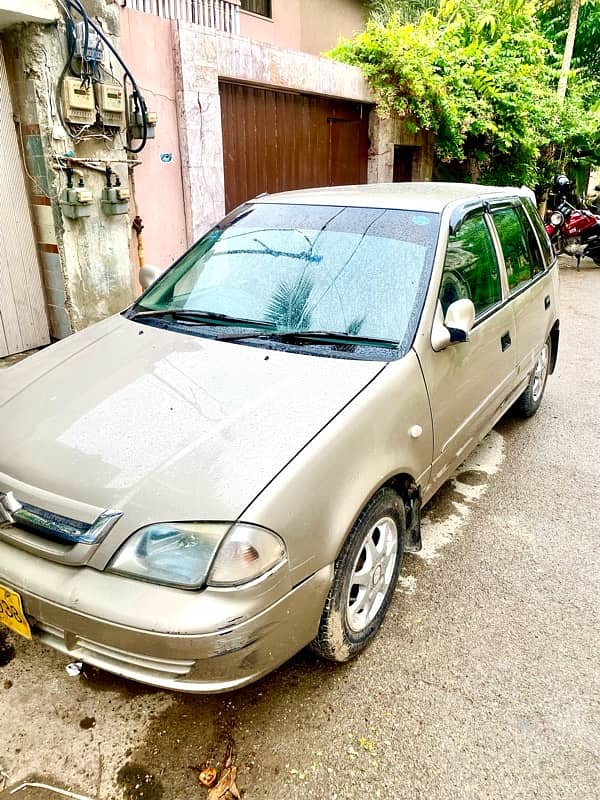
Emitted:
<point x="529" y="402"/>
<point x="365" y="577"/>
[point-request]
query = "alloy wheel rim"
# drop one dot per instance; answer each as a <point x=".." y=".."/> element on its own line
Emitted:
<point x="372" y="574"/>
<point x="540" y="372"/>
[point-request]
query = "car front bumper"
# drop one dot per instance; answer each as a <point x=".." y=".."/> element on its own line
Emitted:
<point x="226" y="657"/>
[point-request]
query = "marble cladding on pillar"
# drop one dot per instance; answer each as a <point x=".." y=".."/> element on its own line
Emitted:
<point x="201" y="141"/>
<point x="384" y="133"/>
<point x="208" y="195"/>
<point x="381" y="150"/>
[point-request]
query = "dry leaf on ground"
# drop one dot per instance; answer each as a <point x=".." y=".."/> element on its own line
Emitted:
<point x="208" y="776"/>
<point x="226" y="788"/>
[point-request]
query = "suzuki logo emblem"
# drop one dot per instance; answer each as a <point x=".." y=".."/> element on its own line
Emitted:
<point x="8" y="506"/>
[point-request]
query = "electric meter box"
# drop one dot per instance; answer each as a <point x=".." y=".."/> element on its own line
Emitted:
<point x="136" y="129"/>
<point x="79" y="102"/>
<point x="111" y="103"/>
<point x="93" y="50"/>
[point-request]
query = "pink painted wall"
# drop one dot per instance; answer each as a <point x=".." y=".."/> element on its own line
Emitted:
<point x="310" y="26"/>
<point x="146" y="46"/>
<point x="323" y="24"/>
<point x="284" y="30"/>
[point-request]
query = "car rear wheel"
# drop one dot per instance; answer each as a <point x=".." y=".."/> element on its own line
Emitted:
<point x="366" y="573"/>
<point x="529" y="402"/>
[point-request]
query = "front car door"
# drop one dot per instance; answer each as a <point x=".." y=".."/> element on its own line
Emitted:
<point x="469" y="383"/>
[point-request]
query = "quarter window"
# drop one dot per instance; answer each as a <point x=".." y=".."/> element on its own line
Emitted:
<point x="544" y="241"/>
<point x="262" y="7"/>
<point x="535" y="256"/>
<point x="471" y="267"/>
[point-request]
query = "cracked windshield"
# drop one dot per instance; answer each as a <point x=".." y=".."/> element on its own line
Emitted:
<point x="360" y="272"/>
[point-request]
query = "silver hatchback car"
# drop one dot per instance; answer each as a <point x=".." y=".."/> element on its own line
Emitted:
<point x="230" y="470"/>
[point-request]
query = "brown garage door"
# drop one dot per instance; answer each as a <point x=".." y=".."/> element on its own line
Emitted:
<point x="274" y="141"/>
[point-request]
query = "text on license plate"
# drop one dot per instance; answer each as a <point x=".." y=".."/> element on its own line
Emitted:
<point x="11" y="612"/>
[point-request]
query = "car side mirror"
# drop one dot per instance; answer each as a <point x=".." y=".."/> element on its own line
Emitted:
<point x="148" y="274"/>
<point x="455" y="327"/>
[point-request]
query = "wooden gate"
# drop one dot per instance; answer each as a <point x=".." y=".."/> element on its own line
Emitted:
<point x="23" y="321"/>
<point x="274" y="141"/>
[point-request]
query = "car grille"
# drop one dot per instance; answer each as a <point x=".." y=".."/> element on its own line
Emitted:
<point x="64" y="529"/>
<point x="43" y="522"/>
<point x="111" y="658"/>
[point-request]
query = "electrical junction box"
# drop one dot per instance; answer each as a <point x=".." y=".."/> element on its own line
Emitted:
<point x="115" y="200"/>
<point x="95" y="46"/>
<point x="136" y="129"/>
<point x="111" y="104"/>
<point x="76" y="203"/>
<point x="78" y="101"/>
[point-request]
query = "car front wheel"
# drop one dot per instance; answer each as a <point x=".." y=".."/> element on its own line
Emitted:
<point x="529" y="402"/>
<point x="366" y="573"/>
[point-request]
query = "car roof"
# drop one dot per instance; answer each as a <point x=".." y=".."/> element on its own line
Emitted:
<point x="414" y="196"/>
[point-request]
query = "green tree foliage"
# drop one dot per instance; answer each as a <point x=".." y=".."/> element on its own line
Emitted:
<point x="405" y="10"/>
<point x="579" y="148"/>
<point x="482" y="76"/>
<point x="554" y="19"/>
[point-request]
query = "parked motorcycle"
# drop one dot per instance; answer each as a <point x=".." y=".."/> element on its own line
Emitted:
<point x="574" y="231"/>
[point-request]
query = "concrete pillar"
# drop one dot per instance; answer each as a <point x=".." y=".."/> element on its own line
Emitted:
<point x="85" y="262"/>
<point x="200" y="134"/>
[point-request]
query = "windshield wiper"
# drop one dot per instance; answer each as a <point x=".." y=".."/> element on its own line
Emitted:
<point x="199" y="317"/>
<point x="258" y="328"/>
<point x="311" y="337"/>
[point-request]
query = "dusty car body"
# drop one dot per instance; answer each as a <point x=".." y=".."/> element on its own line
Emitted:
<point x="189" y="496"/>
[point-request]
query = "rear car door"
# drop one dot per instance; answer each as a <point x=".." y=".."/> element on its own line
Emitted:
<point x="469" y="383"/>
<point x="529" y="285"/>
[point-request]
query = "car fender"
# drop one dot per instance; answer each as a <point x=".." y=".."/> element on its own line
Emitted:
<point x="385" y="432"/>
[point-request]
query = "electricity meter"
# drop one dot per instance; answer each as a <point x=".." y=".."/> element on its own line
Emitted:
<point x="111" y="104"/>
<point x="79" y="103"/>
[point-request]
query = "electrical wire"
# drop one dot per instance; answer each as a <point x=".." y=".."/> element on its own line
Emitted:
<point x="91" y="74"/>
<point x="138" y="100"/>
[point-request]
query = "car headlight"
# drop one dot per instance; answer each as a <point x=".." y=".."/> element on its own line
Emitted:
<point x="182" y="554"/>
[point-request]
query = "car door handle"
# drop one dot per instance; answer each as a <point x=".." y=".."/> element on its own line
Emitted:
<point x="505" y="341"/>
<point x="547" y="302"/>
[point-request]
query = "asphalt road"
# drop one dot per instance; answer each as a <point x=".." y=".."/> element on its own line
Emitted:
<point x="483" y="683"/>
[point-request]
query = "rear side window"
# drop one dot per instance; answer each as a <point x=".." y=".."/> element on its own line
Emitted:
<point x="471" y="267"/>
<point x="542" y="236"/>
<point x="519" y="245"/>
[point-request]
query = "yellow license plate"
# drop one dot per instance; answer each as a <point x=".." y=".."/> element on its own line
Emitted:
<point x="11" y="612"/>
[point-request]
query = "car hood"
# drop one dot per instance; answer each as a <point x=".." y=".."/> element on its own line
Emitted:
<point x="161" y="425"/>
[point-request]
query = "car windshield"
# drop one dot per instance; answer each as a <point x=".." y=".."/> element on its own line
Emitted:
<point x="362" y="272"/>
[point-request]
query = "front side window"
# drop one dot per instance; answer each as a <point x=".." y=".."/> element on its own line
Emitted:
<point x="262" y="7"/>
<point x="471" y="267"/>
<point x="295" y="268"/>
